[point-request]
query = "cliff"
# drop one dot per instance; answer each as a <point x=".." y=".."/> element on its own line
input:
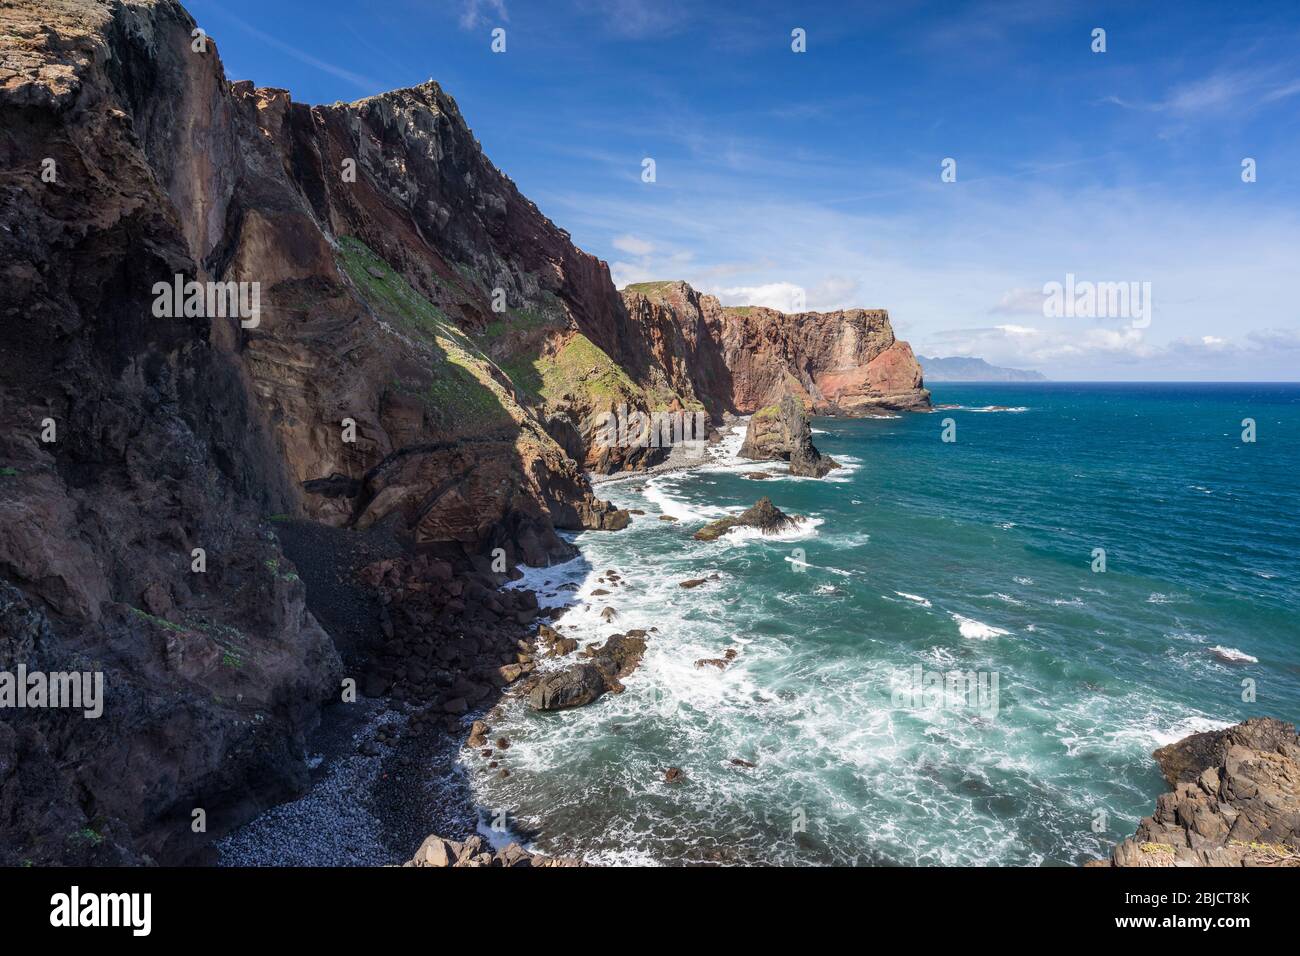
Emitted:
<point x="741" y="359"/>
<point x="154" y="454"/>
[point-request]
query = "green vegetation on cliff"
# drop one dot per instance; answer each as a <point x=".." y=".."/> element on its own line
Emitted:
<point x="461" y="393"/>
<point x="650" y="288"/>
<point x="580" y="368"/>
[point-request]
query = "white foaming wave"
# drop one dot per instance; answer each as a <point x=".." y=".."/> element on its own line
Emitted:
<point x="840" y="475"/>
<point x="1158" y="598"/>
<point x="1023" y="580"/>
<point x="657" y="494"/>
<point x="1183" y="728"/>
<point x="977" y="630"/>
<point x="844" y="473"/>
<point x="1232" y="655"/>
<point x="1008" y="599"/>
<point x="997" y="408"/>
<point x="915" y="598"/>
<point x="848" y="539"/>
<point x="548" y="581"/>
<point x="725" y="454"/>
<point x="941" y="656"/>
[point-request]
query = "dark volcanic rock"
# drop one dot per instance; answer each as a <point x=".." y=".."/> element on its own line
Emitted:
<point x="583" y="683"/>
<point x="573" y="687"/>
<point x="1235" y="801"/>
<point x="1185" y="760"/>
<point x="762" y="515"/>
<point x="781" y="433"/>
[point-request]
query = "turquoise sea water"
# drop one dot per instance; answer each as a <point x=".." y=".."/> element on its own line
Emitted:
<point x="974" y="556"/>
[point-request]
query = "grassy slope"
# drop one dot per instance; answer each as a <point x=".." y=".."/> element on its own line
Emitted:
<point x="462" y="393"/>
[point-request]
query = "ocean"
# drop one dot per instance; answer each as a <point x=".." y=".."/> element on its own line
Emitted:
<point x="922" y="559"/>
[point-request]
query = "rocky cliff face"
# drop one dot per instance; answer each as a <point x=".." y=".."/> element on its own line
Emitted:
<point x="1235" y="801"/>
<point x="386" y="341"/>
<point x="143" y="457"/>
<point x="742" y="359"/>
<point x="781" y="433"/>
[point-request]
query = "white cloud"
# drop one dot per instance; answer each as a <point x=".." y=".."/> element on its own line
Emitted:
<point x="942" y="260"/>
<point x="478" y="12"/>
<point x="783" y="296"/>
<point x="1019" y="302"/>
<point x="634" y="245"/>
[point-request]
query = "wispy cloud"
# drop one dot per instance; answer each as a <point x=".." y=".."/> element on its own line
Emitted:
<point x="476" y="13"/>
<point x="1221" y="92"/>
<point x="366" y="83"/>
<point x="637" y="19"/>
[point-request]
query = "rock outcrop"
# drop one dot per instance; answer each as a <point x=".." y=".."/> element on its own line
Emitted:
<point x="589" y="680"/>
<point x="763" y="515"/>
<point x="1235" y="801"/>
<point x="742" y="359"/>
<point x="781" y="433"/>
<point x="475" y="851"/>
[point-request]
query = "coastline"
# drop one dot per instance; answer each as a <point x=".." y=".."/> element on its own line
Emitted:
<point x="377" y="789"/>
<point x="470" y="816"/>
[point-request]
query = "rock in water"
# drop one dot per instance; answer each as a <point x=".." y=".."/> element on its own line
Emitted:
<point x="781" y="433"/>
<point x="583" y="683"/>
<point x="764" y="516"/>
<point x="1235" y="801"/>
<point x="572" y="687"/>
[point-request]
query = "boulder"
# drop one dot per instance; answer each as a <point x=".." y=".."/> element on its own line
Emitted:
<point x="572" y="687"/>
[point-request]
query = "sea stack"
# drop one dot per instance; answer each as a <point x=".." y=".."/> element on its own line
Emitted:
<point x="781" y="432"/>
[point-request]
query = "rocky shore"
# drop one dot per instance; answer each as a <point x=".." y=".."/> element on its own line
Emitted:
<point x="1234" y="801"/>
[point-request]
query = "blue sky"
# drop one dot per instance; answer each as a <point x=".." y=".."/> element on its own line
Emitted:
<point x="820" y="171"/>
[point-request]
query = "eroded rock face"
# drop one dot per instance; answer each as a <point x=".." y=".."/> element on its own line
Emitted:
<point x="742" y="359"/>
<point x="375" y="388"/>
<point x="1235" y="801"/>
<point x="781" y="433"/>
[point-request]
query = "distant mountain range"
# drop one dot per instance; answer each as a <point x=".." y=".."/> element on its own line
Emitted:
<point x="962" y="369"/>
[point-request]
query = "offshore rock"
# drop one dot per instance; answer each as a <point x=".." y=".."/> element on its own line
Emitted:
<point x="781" y="433"/>
<point x="763" y="515"/>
